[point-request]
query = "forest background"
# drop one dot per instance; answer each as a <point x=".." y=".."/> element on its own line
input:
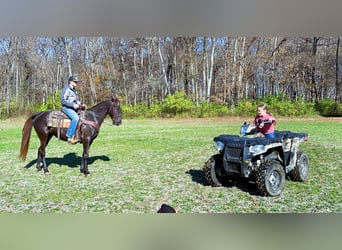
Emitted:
<point x="175" y="76"/>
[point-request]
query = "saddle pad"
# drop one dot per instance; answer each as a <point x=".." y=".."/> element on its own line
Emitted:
<point x="58" y="119"/>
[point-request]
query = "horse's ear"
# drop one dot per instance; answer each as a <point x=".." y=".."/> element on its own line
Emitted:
<point x="114" y="95"/>
<point x="115" y="98"/>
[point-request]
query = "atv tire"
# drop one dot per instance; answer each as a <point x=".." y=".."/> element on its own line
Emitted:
<point x="301" y="170"/>
<point x="212" y="171"/>
<point x="270" y="179"/>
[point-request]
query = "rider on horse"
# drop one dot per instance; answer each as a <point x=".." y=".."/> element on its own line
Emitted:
<point x="70" y="105"/>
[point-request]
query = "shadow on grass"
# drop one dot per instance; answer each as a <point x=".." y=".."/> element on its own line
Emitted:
<point x="197" y="176"/>
<point x="71" y="160"/>
<point x="244" y="185"/>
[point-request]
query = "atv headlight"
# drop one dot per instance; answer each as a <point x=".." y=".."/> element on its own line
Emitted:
<point x="257" y="149"/>
<point x="219" y="145"/>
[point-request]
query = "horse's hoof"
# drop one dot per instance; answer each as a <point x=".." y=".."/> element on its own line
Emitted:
<point x="47" y="173"/>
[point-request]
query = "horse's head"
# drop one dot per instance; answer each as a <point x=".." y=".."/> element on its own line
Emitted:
<point x="115" y="111"/>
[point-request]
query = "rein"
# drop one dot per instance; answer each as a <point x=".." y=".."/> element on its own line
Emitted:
<point x="91" y="123"/>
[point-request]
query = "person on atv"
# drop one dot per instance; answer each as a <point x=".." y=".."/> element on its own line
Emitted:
<point x="265" y="121"/>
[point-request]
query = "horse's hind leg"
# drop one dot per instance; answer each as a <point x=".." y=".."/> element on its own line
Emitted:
<point x="41" y="157"/>
<point x="41" y="162"/>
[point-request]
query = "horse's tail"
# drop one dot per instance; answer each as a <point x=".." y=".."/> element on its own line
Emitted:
<point x="25" y="138"/>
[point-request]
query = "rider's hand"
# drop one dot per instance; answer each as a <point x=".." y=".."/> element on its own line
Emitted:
<point x="272" y="120"/>
<point x="76" y="106"/>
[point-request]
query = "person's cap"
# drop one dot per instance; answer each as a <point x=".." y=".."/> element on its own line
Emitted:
<point x="73" y="78"/>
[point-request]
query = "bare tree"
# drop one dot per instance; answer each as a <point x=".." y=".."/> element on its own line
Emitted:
<point x="338" y="96"/>
<point x="210" y="67"/>
<point x="146" y="69"/>
<point x="162" y="65"/>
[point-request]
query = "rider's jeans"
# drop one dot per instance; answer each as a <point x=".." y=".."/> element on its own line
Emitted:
<point x="74" y="121"/>
<point x="270" y="135"/>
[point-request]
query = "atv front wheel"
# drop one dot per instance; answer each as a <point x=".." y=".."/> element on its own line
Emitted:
<point x="212" y="171"/>
<point x="301" y="170"/>
<point x="270" y="179"/>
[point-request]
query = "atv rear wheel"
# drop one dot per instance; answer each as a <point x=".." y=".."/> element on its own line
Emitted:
<point x="270" y="179"/>
<point x="301" y="170"/>
<point x="212" y="170"/>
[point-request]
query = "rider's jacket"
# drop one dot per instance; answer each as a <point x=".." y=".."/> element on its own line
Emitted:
<point x="69" y="97"/>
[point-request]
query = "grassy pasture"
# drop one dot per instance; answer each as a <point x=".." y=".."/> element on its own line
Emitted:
<point x="143" y="163"/>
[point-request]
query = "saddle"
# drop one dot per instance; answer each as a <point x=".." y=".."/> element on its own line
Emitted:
<point x="58" y="119"/>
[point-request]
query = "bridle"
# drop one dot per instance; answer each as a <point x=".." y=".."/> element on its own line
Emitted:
<point x="111" y="110"/>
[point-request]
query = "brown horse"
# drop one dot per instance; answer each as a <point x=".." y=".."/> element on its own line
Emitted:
<point x="89" y="131"/>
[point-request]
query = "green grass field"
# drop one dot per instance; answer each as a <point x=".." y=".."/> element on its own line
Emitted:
<point x="143" y="163"/>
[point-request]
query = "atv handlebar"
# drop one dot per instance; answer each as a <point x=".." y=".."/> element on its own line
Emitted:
<point x="251" y="128"/>
<point x="260" y="121"/>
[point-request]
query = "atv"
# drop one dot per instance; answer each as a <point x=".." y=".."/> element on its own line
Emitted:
<point x="252" y="157"/>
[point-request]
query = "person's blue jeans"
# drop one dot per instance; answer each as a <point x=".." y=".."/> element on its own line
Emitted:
<point x="270" y="135"/>
<point x="73" y="116"/>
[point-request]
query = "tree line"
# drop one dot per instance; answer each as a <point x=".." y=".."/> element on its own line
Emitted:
<point x="146" y="70"/>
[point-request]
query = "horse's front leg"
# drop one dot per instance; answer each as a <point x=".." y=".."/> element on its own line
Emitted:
<point x="85" y="157"/>
<point x="84" y="165"/>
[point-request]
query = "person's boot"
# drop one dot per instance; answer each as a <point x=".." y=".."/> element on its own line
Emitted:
<point x="72" y="140"/>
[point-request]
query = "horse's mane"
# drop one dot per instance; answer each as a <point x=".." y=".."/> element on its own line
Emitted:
<point x="98" y="104"/>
